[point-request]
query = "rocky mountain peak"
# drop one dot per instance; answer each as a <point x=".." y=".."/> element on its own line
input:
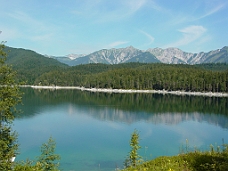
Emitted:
<point x="113" y="56"/>
<point x="170" y="55"/>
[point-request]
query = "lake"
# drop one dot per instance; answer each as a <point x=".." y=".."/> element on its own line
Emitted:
<point x="92" y="130"/>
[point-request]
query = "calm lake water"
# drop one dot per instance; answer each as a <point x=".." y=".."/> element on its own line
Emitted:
<point x="92" y="130"/>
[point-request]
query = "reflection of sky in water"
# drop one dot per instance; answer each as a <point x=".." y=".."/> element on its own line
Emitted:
<point x="89" y="137"/>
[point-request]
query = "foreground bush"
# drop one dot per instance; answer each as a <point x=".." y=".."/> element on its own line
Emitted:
<point x="192" y="161"/>
<point x="47" y="161"/>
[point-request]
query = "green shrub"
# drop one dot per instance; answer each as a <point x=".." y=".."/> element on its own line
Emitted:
<point x="133" y="159"/>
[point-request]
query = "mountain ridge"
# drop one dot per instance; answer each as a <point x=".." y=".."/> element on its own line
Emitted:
<point x="155" y="55"/>
<point x="131" y="54"/>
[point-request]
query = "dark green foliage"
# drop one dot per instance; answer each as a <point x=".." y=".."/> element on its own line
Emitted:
<point x="159" y="77"/>
<point x="27" y="166"/>
<point x="9" y="98"/>
<point x="29" y="64"/>
<point x="213" y="66"/>
<point x="212" y="160"/>
<point x="140" y="76"/>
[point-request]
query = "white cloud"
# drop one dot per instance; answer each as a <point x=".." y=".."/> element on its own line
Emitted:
<point x="135" y="5"/>
<point x="151" y="38"/>
<point x="117" y="43"/>
<point x="32" y="28"/>
<point x="197" y="11"/>
<point x="108" y="11"/>
<point x="152" y="4"/>
<point x="189" y="35"/>
<point x="213" y="9"/>
<point x="26" y="19"/>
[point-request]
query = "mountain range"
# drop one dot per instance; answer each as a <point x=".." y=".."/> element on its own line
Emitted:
<point x="153" y="55"/>
<point x="34" y="68"/>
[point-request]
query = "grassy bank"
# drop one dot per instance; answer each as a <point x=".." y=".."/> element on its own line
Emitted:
<point x="212" y="160"/>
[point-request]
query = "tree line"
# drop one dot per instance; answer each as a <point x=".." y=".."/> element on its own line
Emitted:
<point x="141" y="76"/>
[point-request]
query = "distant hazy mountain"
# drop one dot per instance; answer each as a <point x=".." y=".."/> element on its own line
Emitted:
<point x="175" y="55"/>
<point x="70" y="59"/>
<point x="155" y="55"/>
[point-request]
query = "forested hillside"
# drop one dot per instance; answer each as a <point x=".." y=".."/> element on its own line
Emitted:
<point x="35" y="69"/>
<point x="29" y="64"/>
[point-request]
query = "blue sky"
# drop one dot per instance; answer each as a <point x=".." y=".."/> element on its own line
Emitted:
<point x="57" y="27"/>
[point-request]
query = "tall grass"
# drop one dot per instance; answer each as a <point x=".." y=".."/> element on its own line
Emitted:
<point x="214" y="159"/>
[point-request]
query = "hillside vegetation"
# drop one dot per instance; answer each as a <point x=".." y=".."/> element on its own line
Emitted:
<point x="29" y="64"/>
<point x="35" y="69"/>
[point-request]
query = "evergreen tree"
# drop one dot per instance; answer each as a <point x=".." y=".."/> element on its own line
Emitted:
<point x="48" y="157"/>
<point x="9" y="98"/>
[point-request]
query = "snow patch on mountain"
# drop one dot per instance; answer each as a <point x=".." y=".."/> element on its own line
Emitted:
<point x="75" y="56"/>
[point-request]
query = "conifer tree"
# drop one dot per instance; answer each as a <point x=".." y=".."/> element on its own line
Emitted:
<point x="48" y="158"/>
<point x="9" y="98"/>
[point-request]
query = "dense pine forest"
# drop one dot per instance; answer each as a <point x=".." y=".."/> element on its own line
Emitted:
<point x="203" y="78"/>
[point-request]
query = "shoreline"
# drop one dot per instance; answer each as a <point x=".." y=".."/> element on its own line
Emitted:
<point x="106" y="90"/>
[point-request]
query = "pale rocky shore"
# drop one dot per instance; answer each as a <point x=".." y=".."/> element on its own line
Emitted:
<point x="210" y="94"/>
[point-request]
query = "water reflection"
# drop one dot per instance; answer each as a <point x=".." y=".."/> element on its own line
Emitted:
<point x="92" y="130"/>
<point x="130" y="108"/>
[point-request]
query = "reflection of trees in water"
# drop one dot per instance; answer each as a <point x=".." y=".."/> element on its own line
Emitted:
<point x="158" y="118"/>
<point x="154" y="108"/>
